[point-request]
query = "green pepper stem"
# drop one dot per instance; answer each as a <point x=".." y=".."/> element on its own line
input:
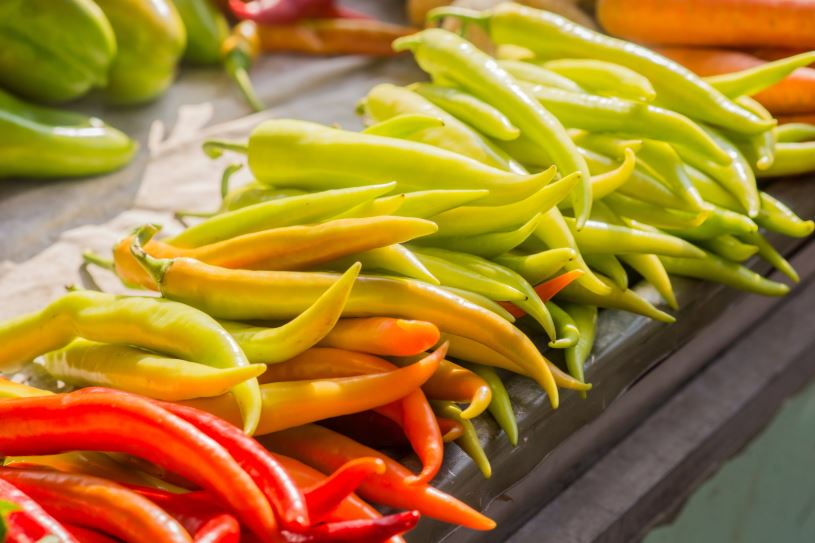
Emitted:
<point x="180" y="215"/>
<point x="236" y="64"/>
<point x="226" y="177"/>
<point x="216" y="148"/>
<point x="89" y="257"/>
<point x="156" y="267"/>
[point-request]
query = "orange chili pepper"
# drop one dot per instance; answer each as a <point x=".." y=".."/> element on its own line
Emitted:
<point x="384" y="336"/>
<point x="414" y="414"/>
<point x="546" y="290"/>
<point x="326" y="450"/>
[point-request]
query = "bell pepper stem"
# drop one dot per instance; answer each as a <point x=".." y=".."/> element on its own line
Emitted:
<point x="216" y="148"/>
<point x="155" y="267"/>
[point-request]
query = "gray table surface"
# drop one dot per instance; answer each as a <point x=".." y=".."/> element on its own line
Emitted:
<point x="557" y="446"/>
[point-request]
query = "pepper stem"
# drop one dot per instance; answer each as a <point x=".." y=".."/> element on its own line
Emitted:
<point x="91" y="258"/>
<point x="226" y="177"/>
<point x="155" y="267"/>
<point x="216" y="148"/>
<point x="480" y="18"/>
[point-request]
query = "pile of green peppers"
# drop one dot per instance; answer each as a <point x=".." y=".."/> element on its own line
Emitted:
<point x="56" y="52"/>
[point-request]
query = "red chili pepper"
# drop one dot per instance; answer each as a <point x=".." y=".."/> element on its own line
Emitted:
<point x="546" y="290"/>
<point x="351" y="508"/>
<point x="202" y="517"/>
<point x="268" y="474"/>
<point x="327" y="450"/>
<point x="363" y="531"/>
<point x="100" y="419"/>
<point x="85" y="535"/>
<point x="30" y="523"/>
<point x="289" y="11"/>
<point x="324" y="497"/>
<point x="98" y="504"/>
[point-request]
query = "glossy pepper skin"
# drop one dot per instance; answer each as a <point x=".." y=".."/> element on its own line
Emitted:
<point x="206" y="28"/>
<point x="28" y="522"/>
<point x="54" y="51"/>
<point x="43" y="142"/>
<point x="150" y="39"/>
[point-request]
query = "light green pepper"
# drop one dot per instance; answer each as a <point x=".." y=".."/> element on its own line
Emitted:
<point x="718" y="270"/>
<point x="538" y="75"/>
<point x="604" y="78"/>
<point x="608" y="265"/>
<point x="539" y="266"/>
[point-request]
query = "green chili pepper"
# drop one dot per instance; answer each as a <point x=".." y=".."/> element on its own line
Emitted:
<point x="531" y="303"/>
<point x="266" y="345"/>
<point x="617" y="298"/>
<point x="608" y="265"/>
<point x="777" y="217"/>
<point x="567" y="332"/>
<point x="486" y="245"/>
<point x="538" y="75"/>
<point x="539" y="266"/>
<point x="150" y="38"/>
<point x="86" y="363"/>
<point x="605" y="183"/>
<point x="453" y="275"/>
<point x="605" y="144"/>
<point x="309" y="155"/>
<point x="737" y="177"/>
<point x="660" y="159"/>
<point x="385" y="205"/>
<point x="275" y="213"/>
<point x="475" y="220"/>
<point x="754" y="80"/>
<point x="156" y="324"/>
<point x="449" y="57"/>
<point x="500" y="405"/>
<point x="795" y="132"/>
<point x="392" y="259"/>
<point x="604" y="78"/>
<point x="54" y="51"/>
<point x="601" y="114"/>
<point x="604" y="238"/>
<point x="720" y="221"/>
<point x="771" y="255"/>
<point x="712" y="191"/>
<point x="469" y="109"/>
<point x="385" y="101"/>
<point x="652" y="270"/>
<point x="552" y="36"/>
<point x="585" y="319"/>
<point x="759" y="149"/>
<point x="655" y="215"/>
<point x="430" y="203"/>
<point x="729" y="247"/>
<point x="792" y="159"/>
<point x="469" y="439"/>
<point x="36" y="141"/>
<point x="206" y="28"/>
<point x="238" y="52"/>
<point x="718" y="270"/>
<point x="404" y="125"/>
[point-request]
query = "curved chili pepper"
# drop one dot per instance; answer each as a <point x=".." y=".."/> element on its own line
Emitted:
<point x="548" y="289"/>
<point x="293" y="210"/>
<point x="197" y="512"/>
<point x="413" y="413"/>
<point x="392" y="259"/>
<point x="384" y="336"/>
<point x="538" y="74"/>
<point x="327" y="450"/>
<point x="501" y="406"/>
<point x="453" y="275"/>
<point x="450" y="429"/>
<point x="287" y="404"/>
<point x="84" y="535"/>
<point x="777" y="217"/>
<point x="567" y="331"/>
<point x="488" y="245"/>
<point x="29" y="522"/>
<point x="468" y="441"/>
<point x="156" y="324"/>
<point x="537" y="267"/>
<point x="771" y="255"/>
<point x="609" y="266"/>
<point x="718" y="270"/>
<point x="729" y="247"/>
<point x="363" y="531"/>
<point x="86" y="363"/>
<point x="585" y="319"/>
<point x="324" y="497"/>
<point x="98" y="419"/>
<point x="604" y="78"/>
<point x="98" y="504"/>
<point x="605" y="183"/>
<point x="287" y="501"/>
<point x="272" y="345"/>
<point x="652" y="270"/>
<point x="627" y="300"/>
<point x="250" y="295"/>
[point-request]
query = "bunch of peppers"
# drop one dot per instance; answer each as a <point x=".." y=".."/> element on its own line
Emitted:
<point x="390" y="279"/>
<point x="129" y="51"/>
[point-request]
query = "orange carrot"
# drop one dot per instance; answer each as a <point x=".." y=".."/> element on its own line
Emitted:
<point x="795" y="94"/>
<point x="740" y="23"/>
<point x="384" y="336"/>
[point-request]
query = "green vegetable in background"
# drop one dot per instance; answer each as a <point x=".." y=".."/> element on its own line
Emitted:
<point x="37" y="141"/>
<point x="54" y="51"/>
<point x="206" y="28"/>
<point x="150" y="38"/>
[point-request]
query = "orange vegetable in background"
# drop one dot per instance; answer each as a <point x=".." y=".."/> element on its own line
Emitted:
<point x="739" y="23"/>
<point x="795" y="94"/>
